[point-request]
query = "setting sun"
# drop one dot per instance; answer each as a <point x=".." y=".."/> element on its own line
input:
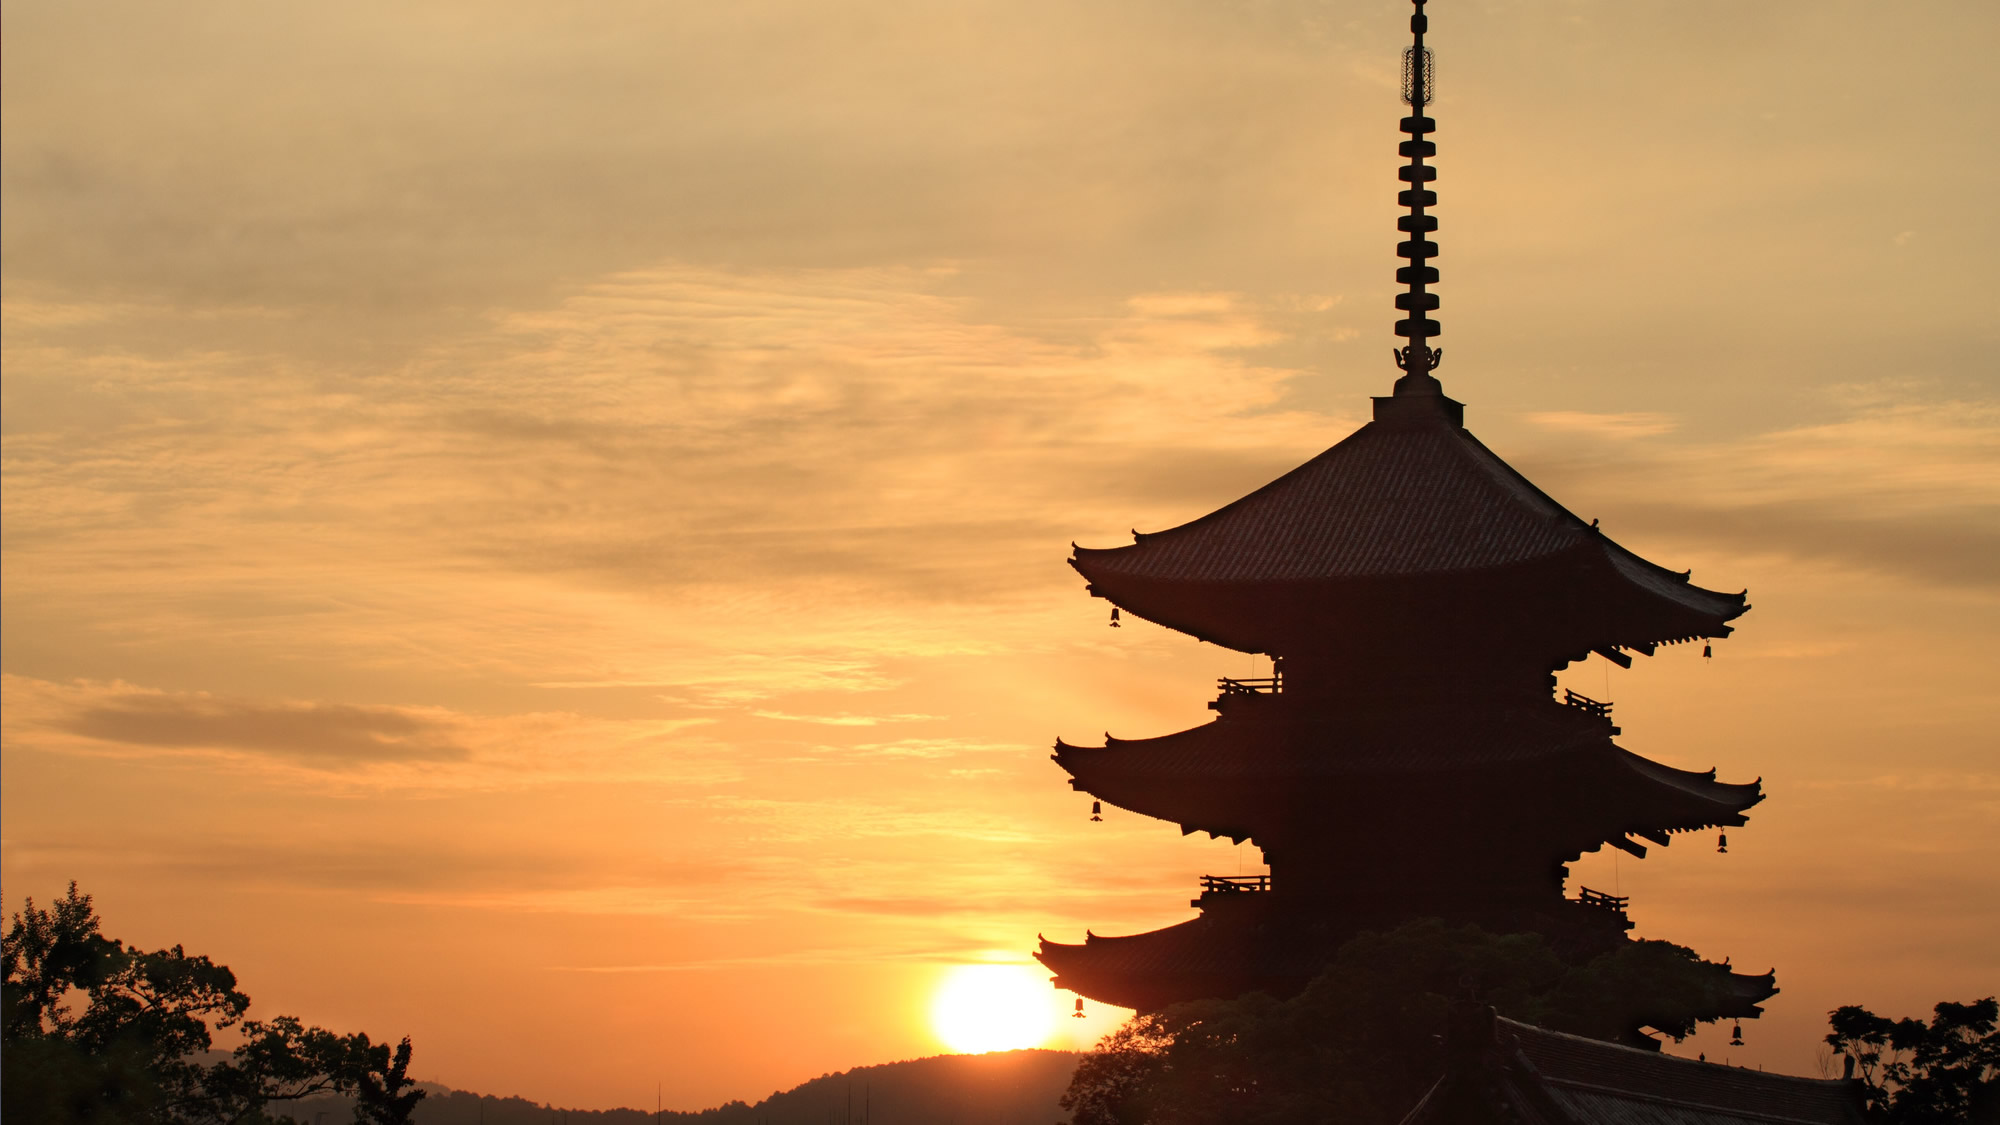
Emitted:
<point x="993" y="1008"/>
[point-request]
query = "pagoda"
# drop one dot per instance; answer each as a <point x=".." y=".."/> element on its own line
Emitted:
<point x="1407" y="757"/>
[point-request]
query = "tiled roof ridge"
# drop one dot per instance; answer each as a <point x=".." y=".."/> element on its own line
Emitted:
<point x="1736" y="1113"/>
<point x="1402" y="500"/>
<point x="1385" y="470"/>
<point x="1660" y="1061"/>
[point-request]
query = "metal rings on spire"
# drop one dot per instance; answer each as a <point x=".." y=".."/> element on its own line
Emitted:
<point x="1417" y="359"/>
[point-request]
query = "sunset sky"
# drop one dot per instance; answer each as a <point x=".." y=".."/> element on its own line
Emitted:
<point x="541" y="528"/>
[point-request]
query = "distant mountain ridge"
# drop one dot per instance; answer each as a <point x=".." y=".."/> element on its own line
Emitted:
<point x="997" y="1088"/>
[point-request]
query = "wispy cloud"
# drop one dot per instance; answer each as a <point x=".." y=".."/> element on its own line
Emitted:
<point x="327" y="735"/>
<point x="1909" y="489"/>
<point x="846" y="719"/>
<point x="1605" y="425"/>
<point x="935" y="747"/>
<point x="313" y="743"/>
<point x="791" y="473"/>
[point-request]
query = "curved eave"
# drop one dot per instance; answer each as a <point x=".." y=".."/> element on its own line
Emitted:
<point x="1344" y="530"/>
<point x="1133" y="598"/>
<point x="1137" y="971"/>
<point x="1749" y="990"/>
<point x="1219" y="777"/>
<point x="1286" y="746"/>
<point x="1678" y="800"/>
<point x="1151" y="796"/>
<point x="1669" y="608"/>
<point x="1610" y="597"/>
<point x="1236" y="780"/>
<point x="1191" y="959"/>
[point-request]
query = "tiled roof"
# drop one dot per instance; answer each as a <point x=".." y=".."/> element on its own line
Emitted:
<point x="1615" y="1084"/>
<point x="1226" y="953"/>
<point x="1207" y="955"/>
<point x="1388" y="500"/>
<point x="1347" y="742"/>
<point x="1391" y="501"/>
<point x="1197" y="945"/>
<point x="1214" y="777"/>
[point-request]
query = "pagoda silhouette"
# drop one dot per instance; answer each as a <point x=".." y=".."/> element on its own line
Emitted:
<point x="1407" y="758"/>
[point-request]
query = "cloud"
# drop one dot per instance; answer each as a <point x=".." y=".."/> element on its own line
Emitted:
<point x="368" y="747"/>
<point x="845" y="719"/>
<point x="935" y="747"/>
<point x="1945" y="548"/>
<point x="328" y="735"/>
<point x="1909" y="489"/>
<point x="932" y="907"/>
<point x="791" y="473"/>
<point x="1605" y="425"/>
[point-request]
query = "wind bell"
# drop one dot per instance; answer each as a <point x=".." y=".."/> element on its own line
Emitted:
<point x="1079" y="1008"/>
<point x="1707" y="650"/>
<point x="1096" y="813"/>
<point x="1736" y="1036"/>
<point x="1722" y="842"/>
<point x="1114" y="617"/>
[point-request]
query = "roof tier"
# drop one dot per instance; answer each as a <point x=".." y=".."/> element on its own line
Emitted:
<point x="1410" y="525"/>
<point x="1278" y="776"/>
<point x="1276" y="951"/>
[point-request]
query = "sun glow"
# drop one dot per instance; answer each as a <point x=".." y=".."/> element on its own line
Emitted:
<point x="993" y="1008"/>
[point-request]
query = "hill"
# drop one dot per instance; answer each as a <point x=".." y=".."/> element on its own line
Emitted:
<point x="998" y="1088"/>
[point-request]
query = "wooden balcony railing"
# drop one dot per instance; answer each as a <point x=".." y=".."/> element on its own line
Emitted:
<point x="1585" y="703"/>
<point x="1234" y="884"/>
<point x="1252" y="685"/>
<point x="1602" y="901"/>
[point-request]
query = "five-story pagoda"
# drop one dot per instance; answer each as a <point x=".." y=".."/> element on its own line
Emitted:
<point x="1407" y="758"/>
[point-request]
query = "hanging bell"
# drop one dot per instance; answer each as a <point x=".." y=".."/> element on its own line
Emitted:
<point x="1722" y="843"/>
<point x="1114" y="617"/>
<point x="1096" y="813"/>
<point x="1707" y="650"/>
<point x="1079" y="1008"/>
<point x="1736" y="1036"/>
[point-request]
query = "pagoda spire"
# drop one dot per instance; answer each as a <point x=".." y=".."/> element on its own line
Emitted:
<point x="1417" y="359"/>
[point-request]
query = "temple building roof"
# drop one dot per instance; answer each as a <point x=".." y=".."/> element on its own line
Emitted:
<point x="1200" y="957"/>
<point x="1525" y="1075"/>
<point x="1388" y="501"/>
<point x="1348" y="741"/>
<point x="1236" y="777"/>
<point x="1236" y="952"/>
<point x="1404" y="499"/>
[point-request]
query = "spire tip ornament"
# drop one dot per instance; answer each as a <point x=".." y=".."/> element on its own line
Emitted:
<point x="1417" y="359"/>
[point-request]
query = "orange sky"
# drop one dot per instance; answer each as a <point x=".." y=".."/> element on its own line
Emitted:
<point x="543" y="531"/>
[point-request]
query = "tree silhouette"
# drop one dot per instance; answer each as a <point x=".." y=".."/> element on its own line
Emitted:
<point x="97" y="1031"/>
<point x="1925" y="1074"/>
<point x="385" y="1094"/>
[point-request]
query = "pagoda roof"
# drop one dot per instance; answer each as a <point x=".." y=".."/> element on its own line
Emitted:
<point x="1231" y="775"/>
<point x="1201" y="957"/>
<point x="1411" y="495"/>
<point x="1222" y="955"/>
<point x="1527" y="1074"/>
<point x="1342" y="742"/>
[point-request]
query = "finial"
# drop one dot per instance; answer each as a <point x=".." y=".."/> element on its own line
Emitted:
<point x="1417" y="359"/>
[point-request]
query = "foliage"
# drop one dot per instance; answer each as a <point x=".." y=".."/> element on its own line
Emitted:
<point x="97" y="1031"/>
<point x="1918" y="1074"/>
<point x="1360" y="1044"/>
<point x="386" y="1095"/>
